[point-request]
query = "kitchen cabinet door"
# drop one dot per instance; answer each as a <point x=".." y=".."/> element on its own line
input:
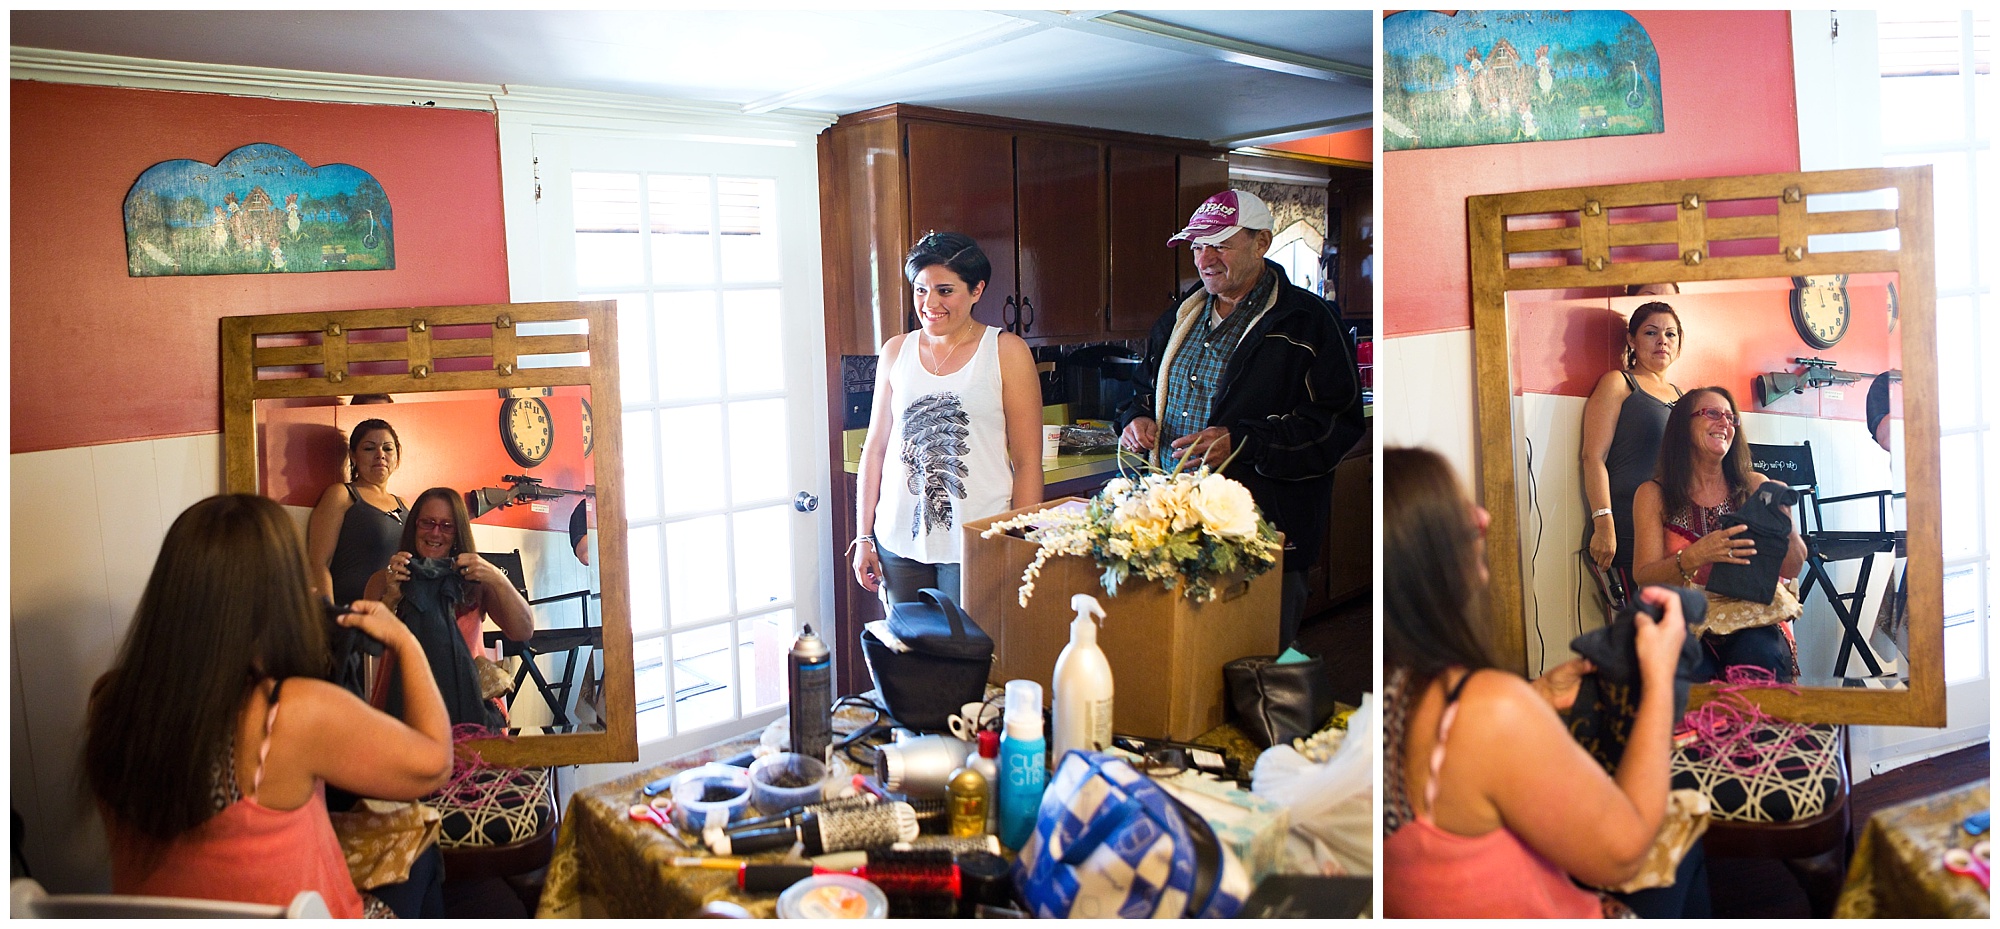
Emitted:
<point x="1144" y="204"/>
<point x="1202" y="177"/>
<point x="962" y="180"/>
<point x="1061" y="236"/>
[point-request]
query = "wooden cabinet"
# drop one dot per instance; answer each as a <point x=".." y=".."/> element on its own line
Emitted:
<point x="961" y="179"/>
<point x="1059" y="237"/>
<point x="1144" y="213"/>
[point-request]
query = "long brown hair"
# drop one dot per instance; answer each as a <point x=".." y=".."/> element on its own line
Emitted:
<point x="228" y="604"/>
<point x="1434" y="603"/>
<point x="1676" y="470"/>
<point x="461" y="543"/>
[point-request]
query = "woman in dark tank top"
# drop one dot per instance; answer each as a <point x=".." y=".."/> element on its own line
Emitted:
<point x="355" y="526"/>
<point x="1622" y="424"/>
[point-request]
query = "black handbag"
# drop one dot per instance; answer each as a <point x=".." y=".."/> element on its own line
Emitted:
<point x="1275" y="703"/>
<point x="944" y="669"/>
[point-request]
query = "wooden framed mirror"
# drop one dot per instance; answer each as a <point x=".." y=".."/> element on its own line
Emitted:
<point x="447" y="378"/>
<point x="1545" y="328"/>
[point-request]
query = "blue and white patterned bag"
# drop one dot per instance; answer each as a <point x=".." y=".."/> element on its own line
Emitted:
<point x="1111" y="844"/>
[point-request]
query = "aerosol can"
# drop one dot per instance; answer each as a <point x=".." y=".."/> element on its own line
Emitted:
<point x="809" y="683"/>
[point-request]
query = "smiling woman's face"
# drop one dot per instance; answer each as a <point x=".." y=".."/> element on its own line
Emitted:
<point x="1713" y="425"/>
<point x="436" y="531"/>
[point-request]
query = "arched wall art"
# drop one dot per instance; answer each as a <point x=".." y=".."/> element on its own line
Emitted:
<point x="260" y="210"/>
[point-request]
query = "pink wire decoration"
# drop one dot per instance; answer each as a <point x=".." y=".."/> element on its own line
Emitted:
<point x="1727" y="728"/>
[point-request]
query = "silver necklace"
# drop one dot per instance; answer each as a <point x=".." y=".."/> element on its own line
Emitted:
<point x="937" y="369"/>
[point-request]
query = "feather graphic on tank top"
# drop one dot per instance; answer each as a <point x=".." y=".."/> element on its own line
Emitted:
<point x="935" y="433"/>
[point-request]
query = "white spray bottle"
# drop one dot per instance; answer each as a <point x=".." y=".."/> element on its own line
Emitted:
<point x="1082" y="686"/>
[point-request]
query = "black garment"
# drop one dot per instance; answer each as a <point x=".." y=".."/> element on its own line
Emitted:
<point x="1291" y="397"/>
<point x="1607" y="701"/>
<point x="1633" y="457"/>
<point x="1763" y="647"/>
<point x="1771" y="529"/>
<point x="432" y="598"/>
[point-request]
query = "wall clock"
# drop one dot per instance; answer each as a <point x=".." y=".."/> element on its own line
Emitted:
<point x="526" y="430"/>
<point x="1820" y="310"/>
<point x="589" y="438"/>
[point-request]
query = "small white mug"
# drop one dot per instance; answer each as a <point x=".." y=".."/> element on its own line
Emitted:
<point x="970" y="718"/>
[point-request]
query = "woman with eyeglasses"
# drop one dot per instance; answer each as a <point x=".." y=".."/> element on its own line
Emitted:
<point x="444" y="592"/>
<point x="1622" y="424"/>
<point x="1490" y="806"/>
<point x="1704" y="474"/>
<point x="960" y="405"/>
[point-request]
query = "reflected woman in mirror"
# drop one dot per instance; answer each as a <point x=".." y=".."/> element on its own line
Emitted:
<point x="444" y="591"/>
<point x="961" y="406"/>
<point x="211" y="741"/>
<point x="353" y="531"/>
<point x="1704" y="475"/>
<point x="1622" y="424"/>
<point x="1490" y="806"/>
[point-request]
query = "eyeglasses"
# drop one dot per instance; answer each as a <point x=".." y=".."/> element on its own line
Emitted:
<point x="1716" y="414"/>
<point x="437" y="525"/>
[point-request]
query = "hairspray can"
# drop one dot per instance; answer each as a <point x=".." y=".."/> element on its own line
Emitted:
<point x="809" y="684"/>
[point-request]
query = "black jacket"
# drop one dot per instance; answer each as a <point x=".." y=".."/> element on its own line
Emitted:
<point x="1291" y="397"/>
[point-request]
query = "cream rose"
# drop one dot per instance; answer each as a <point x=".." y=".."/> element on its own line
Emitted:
<point x="1225" y="507"/>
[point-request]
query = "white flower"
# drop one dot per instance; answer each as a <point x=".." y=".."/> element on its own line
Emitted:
<point x="1225" y="507"/>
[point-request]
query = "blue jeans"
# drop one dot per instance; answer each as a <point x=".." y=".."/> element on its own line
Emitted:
<point x="903" y="577"/>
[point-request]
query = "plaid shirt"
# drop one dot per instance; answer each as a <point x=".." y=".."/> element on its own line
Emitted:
<point x="1196" y="374"/>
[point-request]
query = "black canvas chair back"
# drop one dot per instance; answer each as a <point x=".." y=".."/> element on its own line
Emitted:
<point x="509" y="564"/>
<point x="1789" y="464"/>
<point x="1793" y="464"/>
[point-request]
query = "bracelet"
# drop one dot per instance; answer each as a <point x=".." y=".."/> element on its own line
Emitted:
<point x="1600" y="511"/>
<point x="1686" y="576"/>
<point x="870" y="539"/>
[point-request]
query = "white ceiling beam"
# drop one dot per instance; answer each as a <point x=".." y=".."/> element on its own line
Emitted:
<point x="1295" y="133"/>
<point x="1014" y="28"/>
<point x="1131" y="27"/>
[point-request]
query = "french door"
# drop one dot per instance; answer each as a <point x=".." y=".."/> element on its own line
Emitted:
<point x="711" y="250"/>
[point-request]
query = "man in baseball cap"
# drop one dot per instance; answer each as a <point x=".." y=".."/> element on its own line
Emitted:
<point x="1251" y="370"/>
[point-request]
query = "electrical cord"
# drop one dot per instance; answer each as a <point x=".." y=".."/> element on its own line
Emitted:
<point x="1534" y="599"/>
<point x="880" y="724"/>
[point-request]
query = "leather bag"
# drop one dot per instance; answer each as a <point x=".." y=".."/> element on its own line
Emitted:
<point x="1275" y="703"/>
<point x="944" y="669"/>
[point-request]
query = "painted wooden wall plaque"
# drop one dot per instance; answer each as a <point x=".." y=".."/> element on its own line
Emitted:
<point x="260" y="210"/>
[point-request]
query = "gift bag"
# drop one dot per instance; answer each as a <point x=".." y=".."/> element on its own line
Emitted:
<point x="381" y="839"/>
<point x="1111" y="844"/>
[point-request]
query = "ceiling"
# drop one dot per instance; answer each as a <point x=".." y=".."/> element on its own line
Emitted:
<point x="1233" y="78"/>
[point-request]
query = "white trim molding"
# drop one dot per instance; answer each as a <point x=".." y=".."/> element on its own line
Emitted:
<point x="36" y="64"/>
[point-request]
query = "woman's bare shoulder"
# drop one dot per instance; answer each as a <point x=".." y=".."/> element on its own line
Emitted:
<point x="335" y="495"/>
<point x="1612" y="384"/>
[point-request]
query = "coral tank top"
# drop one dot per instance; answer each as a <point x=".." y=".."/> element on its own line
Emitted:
<point x="1428" y="873"/>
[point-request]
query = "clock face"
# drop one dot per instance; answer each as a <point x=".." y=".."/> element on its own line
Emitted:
<point x="527" y="431"/>
<point x="589" y="437"/>
<point x="1820" y="309"/>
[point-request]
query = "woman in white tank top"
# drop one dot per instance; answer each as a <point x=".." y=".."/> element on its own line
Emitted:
<point x="956" y="430"/>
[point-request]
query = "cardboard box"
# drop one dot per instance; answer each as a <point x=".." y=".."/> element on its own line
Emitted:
<point x="1166" y="651"/>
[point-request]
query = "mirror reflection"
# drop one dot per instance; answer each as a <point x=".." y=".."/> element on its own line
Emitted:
<point x="472" y="513"/>
<point x="1809" y="370"/>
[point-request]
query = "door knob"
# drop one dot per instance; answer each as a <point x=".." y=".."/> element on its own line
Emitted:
<point x="805" y="502"/>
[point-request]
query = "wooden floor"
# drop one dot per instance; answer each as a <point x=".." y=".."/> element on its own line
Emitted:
<point x="1746" y="889"/>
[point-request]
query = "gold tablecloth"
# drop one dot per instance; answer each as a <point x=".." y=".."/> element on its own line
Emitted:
<point x="1898" y="868"/>
<point x="626" y="866"/>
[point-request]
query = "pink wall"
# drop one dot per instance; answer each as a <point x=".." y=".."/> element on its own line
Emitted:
<point x="101" y="357"/>
<point x="1726" y="83"/>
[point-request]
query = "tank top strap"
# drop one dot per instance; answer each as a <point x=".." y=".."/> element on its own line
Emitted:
<point x="1633" y="384"/>
<point x="264" y="747"/>
<point x="354" y="496"/>
<point x="1437" y="750"/>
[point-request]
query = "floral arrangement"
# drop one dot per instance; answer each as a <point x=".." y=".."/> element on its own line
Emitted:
<point x="1184" y="529"/>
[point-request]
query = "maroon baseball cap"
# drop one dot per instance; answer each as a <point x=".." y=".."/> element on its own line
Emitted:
<point x="1220" y="216"/>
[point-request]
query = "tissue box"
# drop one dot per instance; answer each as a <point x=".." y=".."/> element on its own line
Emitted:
<point x="1251" y="826"/>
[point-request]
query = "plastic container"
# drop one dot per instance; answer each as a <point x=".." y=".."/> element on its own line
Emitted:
<point x="1081" y="690"/>
<point x="787" y="779"/>
<point x="1024" y="770"/>
<point x="833" y="896"/>
<point x="709" y="791"/>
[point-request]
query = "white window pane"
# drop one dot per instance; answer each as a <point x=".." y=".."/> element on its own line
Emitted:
<point x="762" y="645"/>
<point x="756" y="341"/>
<point x="683" y="237"/>
<point x="748" y="208"/>
<point x="607" y="229"/>
<point x="703" y="694"/>
<point x="649" y="672"/>
<point x="763" y="557"/>
<point x="689" y="346"/>
<point x="1958" y="364"/>
<point x="1964" y="633"/>
<point x="642" y="549"/>
<point x="758" y="453"/>
<point x="694" y="479"/>
<point x="1923" y="108"/>
<point x="1960" y="470"/>
<point x="642" y="467"/>
<point x="697" y="570"/>
<point x="635" y="348"/>
<point x="653" y="725"/>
